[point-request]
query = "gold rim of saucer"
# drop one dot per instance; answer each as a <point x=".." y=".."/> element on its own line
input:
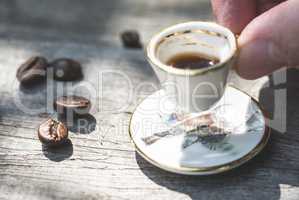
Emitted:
<point x="215" y="169"/>
<point x="192" y="72"/>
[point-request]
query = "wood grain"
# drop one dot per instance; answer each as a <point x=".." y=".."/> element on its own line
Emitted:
<point x="102" y="163"/>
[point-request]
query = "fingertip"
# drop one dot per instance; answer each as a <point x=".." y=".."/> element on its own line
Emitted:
<point x="257" y="58"/>
<point x="234" y="14"/>
<point x="269" y="42"/>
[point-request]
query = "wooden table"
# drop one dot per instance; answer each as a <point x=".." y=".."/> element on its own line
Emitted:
<point x="101" y="163"/>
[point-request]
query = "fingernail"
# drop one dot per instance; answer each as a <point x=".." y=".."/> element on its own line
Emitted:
<point x="258" y="58"/>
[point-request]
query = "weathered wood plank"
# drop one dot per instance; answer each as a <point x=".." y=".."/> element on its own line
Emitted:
<point x="103" y="164"/>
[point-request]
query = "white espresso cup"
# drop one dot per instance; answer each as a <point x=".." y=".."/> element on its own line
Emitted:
<point x="194" y="90"/>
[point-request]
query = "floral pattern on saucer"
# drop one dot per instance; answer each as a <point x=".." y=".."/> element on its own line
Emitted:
<point x="194" y="143"/>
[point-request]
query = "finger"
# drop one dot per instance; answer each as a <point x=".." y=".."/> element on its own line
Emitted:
<point x="264" y="5"/>
<point x="270" y="41"/>
<point x="234" y="14"/>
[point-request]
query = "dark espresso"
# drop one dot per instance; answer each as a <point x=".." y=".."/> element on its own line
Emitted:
<point x="191" y="61"/>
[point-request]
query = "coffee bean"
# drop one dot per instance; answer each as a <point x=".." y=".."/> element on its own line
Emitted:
<point x="52" y="133"/>
<point x="32" y="71"/>
<point x="131" y="39"/>
<point x="76" y="104"/>
<point x="66" y="69"/>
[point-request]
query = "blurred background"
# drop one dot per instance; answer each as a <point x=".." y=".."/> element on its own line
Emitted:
<point x="93" y="20"/>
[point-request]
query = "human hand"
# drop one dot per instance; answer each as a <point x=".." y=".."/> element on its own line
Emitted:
<point x="269" y="33"/>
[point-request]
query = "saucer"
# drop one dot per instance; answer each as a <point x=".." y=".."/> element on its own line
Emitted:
<point x="232" y="132"/>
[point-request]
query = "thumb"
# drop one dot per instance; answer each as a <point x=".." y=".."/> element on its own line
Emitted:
<point x="270" y="41"/>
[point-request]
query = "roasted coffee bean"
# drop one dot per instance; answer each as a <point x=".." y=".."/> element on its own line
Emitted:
<point x="66" y="69"/>
<point x="52" y="133"/>
<point x="32" y="71"/>
<point x="76" y="104"/>
<point x="131" y="39"/>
